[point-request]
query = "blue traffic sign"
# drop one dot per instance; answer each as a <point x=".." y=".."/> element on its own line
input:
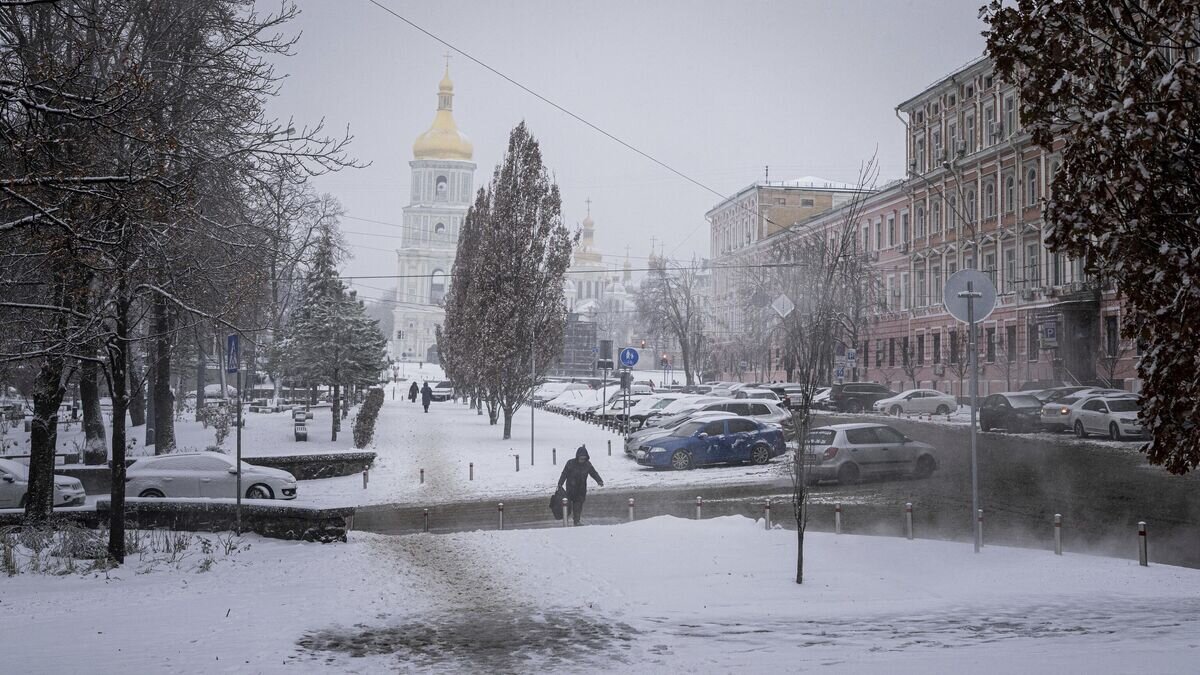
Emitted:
<point x="233" y="354"/>
<point x="629" y="357"/>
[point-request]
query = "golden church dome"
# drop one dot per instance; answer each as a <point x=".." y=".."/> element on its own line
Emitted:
<point x="443" y="140"/>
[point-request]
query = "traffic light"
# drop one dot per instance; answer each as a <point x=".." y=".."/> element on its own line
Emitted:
<point x="643" y="344"/>
<point x="663" y="363"/>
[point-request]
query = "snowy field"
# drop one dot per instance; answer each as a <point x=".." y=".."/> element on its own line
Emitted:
<point x="662" y="595"/>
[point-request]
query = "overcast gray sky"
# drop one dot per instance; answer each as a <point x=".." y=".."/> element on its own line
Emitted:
<point x="715" y="89"/>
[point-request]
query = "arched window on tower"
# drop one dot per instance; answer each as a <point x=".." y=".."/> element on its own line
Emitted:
<point x="437" y="287"/>
<point x="439" y="231"/>
<point x="442" y="188"/>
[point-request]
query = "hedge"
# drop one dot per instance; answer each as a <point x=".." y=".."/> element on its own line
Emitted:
<point x="364" y="422"/>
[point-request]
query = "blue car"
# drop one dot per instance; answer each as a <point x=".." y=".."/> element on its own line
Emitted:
<point x="700" y="442"/>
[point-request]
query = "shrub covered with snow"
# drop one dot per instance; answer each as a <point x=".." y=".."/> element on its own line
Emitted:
<point x="364" y="423"/>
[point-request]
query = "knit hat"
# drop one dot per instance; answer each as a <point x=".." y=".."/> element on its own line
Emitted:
<point x="582" y="453"/>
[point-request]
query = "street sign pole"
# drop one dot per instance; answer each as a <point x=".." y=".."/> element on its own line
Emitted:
<point x="971" y="294"/>
<point x="233" y="366"/>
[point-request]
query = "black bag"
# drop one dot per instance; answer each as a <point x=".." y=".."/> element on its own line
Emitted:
<point x="556" y="506"/>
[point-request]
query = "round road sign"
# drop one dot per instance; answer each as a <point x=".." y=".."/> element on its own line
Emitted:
<point x="974" y="281"/>
<point x="629" y="357"/>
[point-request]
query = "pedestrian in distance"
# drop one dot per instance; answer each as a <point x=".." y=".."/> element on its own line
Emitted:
<point x="426" y="396"/>
<point x="574" y="476"/>
<point x="413" y="391"/>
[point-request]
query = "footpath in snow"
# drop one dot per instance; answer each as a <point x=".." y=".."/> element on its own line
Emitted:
<point x="662" y="595"/>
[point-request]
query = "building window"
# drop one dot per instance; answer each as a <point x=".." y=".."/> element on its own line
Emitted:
<point x="905" y="292"/>
<point x="439" y="229"/>
<point x="891" y="352"/>
<point x="935" y="218"/>
<point x="989" y="199"/>
<point x="1057" y="269"/>
<point x="1033" y="267"/>
<point x="807" y="203"/>
<point x="920" y="166"/>
<point x="970" y="133"/>
<point x="903" y="228"/>
<point x="935" y="285"/>
<point x="953" y="346"/>
<point x="989" y="267"/>
<point x="437" y="287"/>
<point x="878" y="235"/>
<point x="1010" y="270"/>
<point x="1031" y="341"/>
<point x="891" y="221"/>
<point x="969" y="214"/>
<point x="1010" y="193"/>
<point x="1010" y="115"/>
<point x="879" y="353"/>
<point x="937" y="347"/>
<point x="905" y="353"/>
<point x="920" y="289"/>
<point x="921" y="350"/>
<point x="781" y="200"/>
<point x="1112" y="336"/>
<point x="991" y="345"/>
<point x="951" y="212"/>
<point x="989" y="126"/>
<point x="441" y="189"/>
<point x="1031" y="186"/>
<point x="1010" y="342"/>
<point x="920" y="222"/>
<point x="866" y="238"/>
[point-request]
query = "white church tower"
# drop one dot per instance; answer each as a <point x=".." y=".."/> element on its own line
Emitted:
<point x="442" y="190"/>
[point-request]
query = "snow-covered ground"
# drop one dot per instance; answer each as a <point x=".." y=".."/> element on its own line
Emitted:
<point x="451" y="437"/>
<point x="661" y="595"/>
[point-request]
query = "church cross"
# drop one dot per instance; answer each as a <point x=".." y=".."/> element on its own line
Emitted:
<point x="588" y="201"/>
<point x="447" y="55"/>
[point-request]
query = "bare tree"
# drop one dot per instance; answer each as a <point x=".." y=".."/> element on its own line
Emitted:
<point x="670" y="301"/>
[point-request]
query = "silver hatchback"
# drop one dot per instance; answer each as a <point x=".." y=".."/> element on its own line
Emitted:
<point x="848" y="453"/>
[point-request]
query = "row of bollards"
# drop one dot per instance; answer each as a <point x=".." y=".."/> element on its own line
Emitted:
<point x="1143" y="555"/>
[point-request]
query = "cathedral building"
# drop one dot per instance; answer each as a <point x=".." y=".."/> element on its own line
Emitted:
<point x="441" y="191"/>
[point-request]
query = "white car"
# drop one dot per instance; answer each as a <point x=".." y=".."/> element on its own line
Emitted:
<point x="442" y="391"/>
<point x="918" y="401"/>
<point x="14" y="482"/>
<point x="550" y="390"/>
<point x="1056" y="414"/>
<point x="747" y="392"/>
<point x="1116" y="416"/>
<point x="205" y="474"/>
<point x="616" y="407"/>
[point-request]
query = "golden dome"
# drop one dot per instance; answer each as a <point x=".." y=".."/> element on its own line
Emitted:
<point x="443" y="140"/>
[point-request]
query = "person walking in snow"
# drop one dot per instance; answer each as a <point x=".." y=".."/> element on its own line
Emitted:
<point x="426" y="396"/>
<point x="413" y="391"/>
<point x="574" y="475"/>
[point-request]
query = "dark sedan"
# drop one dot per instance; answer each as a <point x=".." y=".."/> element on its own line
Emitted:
<point x="1011" y="412"/>
<point x="699" y="442"/>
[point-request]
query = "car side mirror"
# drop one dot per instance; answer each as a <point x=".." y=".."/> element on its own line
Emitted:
<point x="702" y="435"/>
<point x="233" y="469"/>
<point x="8" y="478"/>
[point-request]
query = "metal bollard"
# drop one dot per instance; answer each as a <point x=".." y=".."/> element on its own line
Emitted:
<point x="471" y="471"/>
<point x="631" y="509"/>
<point x="1143" y="556"/>
<point x="422" y="476"/>
<point x="531" y="456"/>
<point x="517" y="459"/>
<point x="1058" y="534"/>
<point x="699" y="505"/>
<point x="908" y="529"/>
<point x="767" y="513"/>
<point x="426" y="520"/>
<point x="566" y="516"/>
<point x="365" y="478"/>
<point x="554" y="456"/>
<point x="979" y="525"/>
<point x="837" y="518"/>
<point x="610" y="447"/>
<point x="502" y="515"/>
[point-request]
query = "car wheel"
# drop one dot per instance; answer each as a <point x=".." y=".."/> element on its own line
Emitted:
<point x="152" y="493"/>
<point x="984" y="426"/>
<point x="1079" y="430"/>
<point x="943" y="410"/>
<point x="1114" y="432"/>
<point x="259" y="491"/>
<point x="925" y="467"/>
<point x="761" y="454"/>
<point x="854" y="407"/>
<point x="848" y="474"/>
<point x="681" y="460"/>
<point x="895" y="411"/>
<point x="21" y="504"/>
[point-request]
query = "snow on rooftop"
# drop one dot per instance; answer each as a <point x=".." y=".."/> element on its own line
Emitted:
<point x="816" y="182"/>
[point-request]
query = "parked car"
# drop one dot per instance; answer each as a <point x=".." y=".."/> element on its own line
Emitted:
<point x="848" y="453"/>
<point x="1056" y="412"/>
<point x="14" y="483"/>
<point x="747" y="392"/>
<point x="205" y="474"/>
<point x="1055" y="393"/>
<point x="855" y="397"/>
<point x="700" y="442"/>
<point x="642" y="436"/>
<point x="685" y="404"/>
<point x="1116" y="416"/>
<point x="551" y="390"/>
<point x="443" y="391"/>
<point x="917" y="401"/>
<point x="615" y="408"/>
<point x="820" y="399"/>
<point x="649" y="404"/>
<point x="1013" y="411"/>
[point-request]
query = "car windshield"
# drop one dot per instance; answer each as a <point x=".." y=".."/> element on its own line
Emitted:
<point x="688" y="429"/>
<point x="820" y="437"/>
<point x="1024" y="401"/>
<point x="17" y="469"/>
<point x="444" y="384"/>
<point x="1123" y="405"/>
<point x="1070" y="400"/>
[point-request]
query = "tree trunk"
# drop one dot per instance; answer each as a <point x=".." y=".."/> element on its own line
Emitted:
<point x="800" y="555"/>
<point x="95" y="438"/>
<point x="201" y="371"/>
<point x="118" y="360"/>
<point x="136" y="395"/>
<point x="336" y="418"/>
<point x="164" y="410"/>
<point x="48" y="394"/>
<point x="508" y="418"/>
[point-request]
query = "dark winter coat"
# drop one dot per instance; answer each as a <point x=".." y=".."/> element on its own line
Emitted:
<point x="413" y="391"/>
<point x="574" y="475"/>
<point x="426" y="394"/>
